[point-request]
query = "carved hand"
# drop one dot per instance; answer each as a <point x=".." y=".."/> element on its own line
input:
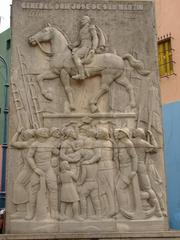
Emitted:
<point x="92" y="52"/>
<point x="39" y="172"/>
<point x="20" y="129"/>
<point x="149" y="132"/>
<point x="132" y="175"/>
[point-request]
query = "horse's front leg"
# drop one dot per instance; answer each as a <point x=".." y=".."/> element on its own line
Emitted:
<point x="65" y="78"/>
<point x="47" y="75"/>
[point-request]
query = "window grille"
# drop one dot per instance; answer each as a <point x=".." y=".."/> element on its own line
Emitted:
<point x="166" y="63"/>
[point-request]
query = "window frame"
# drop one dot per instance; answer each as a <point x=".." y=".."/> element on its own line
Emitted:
<point x="167" y="53"/>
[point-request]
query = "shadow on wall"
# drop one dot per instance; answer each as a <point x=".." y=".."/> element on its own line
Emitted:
<point x="171" y="119"/>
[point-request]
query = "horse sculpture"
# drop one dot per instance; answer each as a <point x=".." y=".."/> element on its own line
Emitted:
<point x="108" y="66"/>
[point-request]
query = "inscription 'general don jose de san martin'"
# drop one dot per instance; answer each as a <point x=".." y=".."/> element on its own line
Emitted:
<point x="82" y="6"/>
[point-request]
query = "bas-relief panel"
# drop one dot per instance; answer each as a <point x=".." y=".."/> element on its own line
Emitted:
<point x="85" y="137"/>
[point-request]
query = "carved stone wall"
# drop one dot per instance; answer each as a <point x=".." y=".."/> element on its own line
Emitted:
<point x="85" y="136"/>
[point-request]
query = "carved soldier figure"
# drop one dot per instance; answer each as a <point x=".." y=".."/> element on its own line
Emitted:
<point x="68" y="191"/>
<point x="82" y="150"/>
<point x="22" y="140"/>
<point x="142" y="148"/>
<point x="67" y="145"/>
<point x="82" y="154"/>
<point x="86" y="44"/>
<point x="55" y="134"/>
<point x="54" y="140"/>
<point x="67" y="151"/>
<point x="89" y="188"/>
<point x="106" y="172"/>
<point x="39" y="158"/>
<point x="126" y="160"/>
<point x="88" y="185"/>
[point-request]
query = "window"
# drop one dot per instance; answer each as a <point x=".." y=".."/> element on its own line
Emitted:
<point x="8" y="44"/>
<point x="165" y="57"/>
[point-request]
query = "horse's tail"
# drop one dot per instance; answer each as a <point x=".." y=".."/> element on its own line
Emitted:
<point x="136" y="64"/>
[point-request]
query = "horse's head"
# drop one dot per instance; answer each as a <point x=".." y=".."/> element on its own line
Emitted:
<point x="45" y="35"/>
<point x="49" y="34"/>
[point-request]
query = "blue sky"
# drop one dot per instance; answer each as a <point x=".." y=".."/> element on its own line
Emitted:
<point x="5" y="14"/>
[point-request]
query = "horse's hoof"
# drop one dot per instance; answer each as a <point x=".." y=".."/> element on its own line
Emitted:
<point x="47" y="95"/>
<point x="72" y="108"/>
<point x="93" y="107"/>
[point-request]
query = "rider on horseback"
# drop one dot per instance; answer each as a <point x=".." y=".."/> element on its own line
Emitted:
<point x="86" y="46"/>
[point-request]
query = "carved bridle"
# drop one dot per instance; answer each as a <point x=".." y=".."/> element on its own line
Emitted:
<point x="50" y="54"/>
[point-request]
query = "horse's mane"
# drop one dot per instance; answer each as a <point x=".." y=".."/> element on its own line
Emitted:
<point x="63" y="33"/>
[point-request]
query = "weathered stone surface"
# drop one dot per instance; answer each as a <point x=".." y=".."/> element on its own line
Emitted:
<point x="85" y="151"/>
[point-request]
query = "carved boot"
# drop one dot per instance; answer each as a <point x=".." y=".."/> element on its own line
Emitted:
<point x="83" y="207"/>
<point x="30" y="212"/>
<point x="81" y="75"/>
<point x="127" y="214"/>
<point x="161" y="203"/>
<point x="98" y="213"/>
<point x="83" y="213"/>
<point x="158" y="211"/>
<point x="76" y="212"/>
<point x="149" y="213"/>
<point x="63" y="217"/>
<point x="53" y="206"/>
<point x="111" y="214"/>
<point x="78" y="218"/>
<point x="55" y="215"/>
<point x="97" y="216"/>
<point x="70" y="97"/>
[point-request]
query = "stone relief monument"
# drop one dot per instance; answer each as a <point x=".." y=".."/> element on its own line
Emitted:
<point x="85" y="140"/>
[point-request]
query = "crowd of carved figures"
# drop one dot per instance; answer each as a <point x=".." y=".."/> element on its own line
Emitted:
<point x="87" y="171"/>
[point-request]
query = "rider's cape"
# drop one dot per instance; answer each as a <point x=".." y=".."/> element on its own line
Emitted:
<point x="101" y="38"/>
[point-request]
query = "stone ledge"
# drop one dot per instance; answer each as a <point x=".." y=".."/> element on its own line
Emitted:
<point x="90" y="236"/>
<point x="90" y="115"/>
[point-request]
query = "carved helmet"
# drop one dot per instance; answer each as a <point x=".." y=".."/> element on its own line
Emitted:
<point x="55" y="131"/>
<point x="139" y="132"/>
<point x="69" y="132"/>
<point x="124" y="130"/>
<point x="102" y="133"/>
<point x="64" y="165"/>
<point x="28" y="133"/>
